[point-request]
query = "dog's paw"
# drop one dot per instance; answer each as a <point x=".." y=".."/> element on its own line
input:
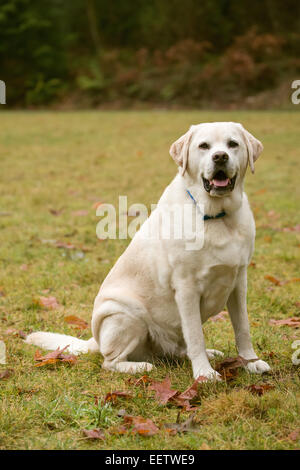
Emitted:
<point x="258" y="367"/>
<point x="210" y="374"/>
<point x="213" y="353"/>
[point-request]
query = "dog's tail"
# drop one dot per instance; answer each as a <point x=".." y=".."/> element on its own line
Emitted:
<point x="52" y="341"/>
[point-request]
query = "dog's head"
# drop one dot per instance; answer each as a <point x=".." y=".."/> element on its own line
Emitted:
<point x="216" y="155"/>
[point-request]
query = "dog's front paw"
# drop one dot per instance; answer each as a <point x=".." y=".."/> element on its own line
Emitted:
<point x="209" y="373"/>
<point x="258" y="367"/>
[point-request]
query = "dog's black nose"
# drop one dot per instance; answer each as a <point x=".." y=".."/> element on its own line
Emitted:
<point x="220" y="157"/>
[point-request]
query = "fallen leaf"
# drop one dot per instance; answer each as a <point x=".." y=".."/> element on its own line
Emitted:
<point x="2" y="292"/>
<point x="294" y="435"/>
<point x="277" y="282"/>
<point x="219" y="316"/>
<point x="142" y="381"/>
<point x="94" y="433"/>
<point x="6" y="373"/>
<point x="163" y="391"/>
<point x="77" y="322"/>
<point x="267" y="239"/>
<point x="140" y="425"/>
<point x="48" y="302"/>
<point x="274" y="280"/>
<point x="259" y="389"/>
<point x="292" y="321"/>
<point x="228" y="368"/>
<point x="113" y="396"/>
<point x="54" y="357"/>
<point x="14" y="332"/>
<point x="56" y="212"/>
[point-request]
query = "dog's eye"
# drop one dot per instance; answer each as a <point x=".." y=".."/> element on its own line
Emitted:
<point x="204" y="146"/>
<point x="232" y="144"/>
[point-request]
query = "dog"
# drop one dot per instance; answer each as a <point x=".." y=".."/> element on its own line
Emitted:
<point x="159" y="293"/>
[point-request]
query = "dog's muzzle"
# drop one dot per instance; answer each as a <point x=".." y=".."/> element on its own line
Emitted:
<point x="220" y="183"/>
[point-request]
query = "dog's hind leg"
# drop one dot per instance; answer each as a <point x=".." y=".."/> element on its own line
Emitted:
<point x="122" y="341"/>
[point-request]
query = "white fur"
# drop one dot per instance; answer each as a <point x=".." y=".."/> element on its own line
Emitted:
<point x="158" y="294"/>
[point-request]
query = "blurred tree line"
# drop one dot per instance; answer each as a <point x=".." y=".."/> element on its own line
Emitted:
<point x="88" y="52"/>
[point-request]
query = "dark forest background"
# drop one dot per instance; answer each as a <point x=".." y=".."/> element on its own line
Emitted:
<point x="121" y="53"/>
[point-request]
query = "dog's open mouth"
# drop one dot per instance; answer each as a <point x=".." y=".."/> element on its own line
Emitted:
<point x="220" y="182"/>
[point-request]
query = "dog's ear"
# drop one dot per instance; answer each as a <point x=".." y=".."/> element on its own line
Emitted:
<point x="179" y="150"/>
<point x="254" y="146"/>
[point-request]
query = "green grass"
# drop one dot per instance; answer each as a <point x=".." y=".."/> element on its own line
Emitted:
<point x="71" y="160"/>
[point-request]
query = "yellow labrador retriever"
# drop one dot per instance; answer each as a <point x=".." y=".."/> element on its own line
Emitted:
<point x="159" y="293"/>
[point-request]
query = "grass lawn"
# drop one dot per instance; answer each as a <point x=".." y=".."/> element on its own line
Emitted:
<point x="56" y="164"/>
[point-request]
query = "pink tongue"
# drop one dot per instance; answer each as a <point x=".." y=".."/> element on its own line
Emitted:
<point x="220" y="182"/>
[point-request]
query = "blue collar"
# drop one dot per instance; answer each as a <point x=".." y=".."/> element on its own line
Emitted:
<point x="205" y="216"/>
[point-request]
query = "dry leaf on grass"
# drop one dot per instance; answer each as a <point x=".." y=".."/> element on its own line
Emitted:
<point x="140" y="425"/>
<point x="142" y="381"/>
<point x="292" y="321"/>
<point x="294" y="435"/>
<point x="76" y="322"/>
<point x="229" y="367"/>
<point x="259" y="389"/>
<point x="112" y="397"/>
<point x="5" y="374"/>
<point x="54" y="357"/>
<point x="164" y="394"/>
<point x="278" y="282"/>
<point x="94" y="433"/>
<point x="163" y="391"/>
<point x="50" y="303"/>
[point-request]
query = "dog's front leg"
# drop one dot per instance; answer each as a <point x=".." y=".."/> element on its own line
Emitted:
<point x="188" y="303"/>
<point x="237" y="307"/>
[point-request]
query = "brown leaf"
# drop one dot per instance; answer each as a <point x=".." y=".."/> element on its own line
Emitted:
<point x="294" y="435"/>
<point x="77" y="322"/>
<point x="277" y="282"/>
<point x="94" y="433"/>
<point x="46" y="362"/>
<point x="142" y="426"/>
<point x="219" y="316"/>
<point x="274" y="280"/>
<point x="2" y="292"/>
<point x="292" y="321"/>
<point x="228" y="368"/>
<point x="142" y="381"/>
<point x="113" y="396"/>
<point x="163" y="391"/>
<point x="54" y="357"/>
<point x="259" y="389"/>
<point x="56" y="212"/>
<point x="48" y="302"/>
<point x="6" y="373"/>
